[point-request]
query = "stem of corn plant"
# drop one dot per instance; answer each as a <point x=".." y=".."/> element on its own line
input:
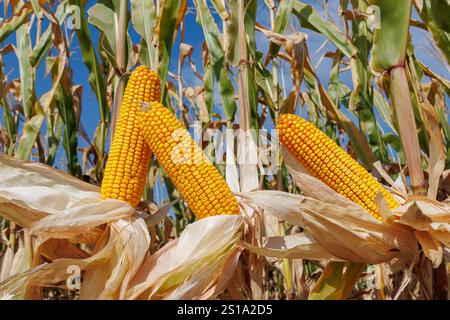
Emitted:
<point x="121" y="47"/>
<point x="121" y="41"/>
<point x="407" y="127"/>
<point x="287" y="270"/>
<point x="244" y="108"/>
<point x="12" y="235"/>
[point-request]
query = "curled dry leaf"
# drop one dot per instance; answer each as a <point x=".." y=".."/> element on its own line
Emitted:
<point x="194" y="266"/>
<point x="60" y="211"/>
<point x="122" y="249"/>
<point x="436" y="161"/>
<point x="430" y="221"/>
<point x="338" y="229"/>
<point x="51" y="203"/>
<point x="341" y="232"/>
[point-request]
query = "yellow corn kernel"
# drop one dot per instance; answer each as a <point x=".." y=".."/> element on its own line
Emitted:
<point x="126" y="169"/>
<point x="325" y="160"/>
<point x="198" y="181"/>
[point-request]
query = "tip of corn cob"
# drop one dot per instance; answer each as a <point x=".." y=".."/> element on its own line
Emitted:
<point x="328" y="162"/>
<point x="200" y="184"/>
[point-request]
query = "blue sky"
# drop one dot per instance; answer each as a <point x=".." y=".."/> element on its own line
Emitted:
<point x="194" y="37"/>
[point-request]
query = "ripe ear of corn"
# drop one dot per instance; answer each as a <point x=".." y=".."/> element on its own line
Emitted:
<point x="126" y="169"/>
<point x="325" y="160"/>
<point x="198" y="181"/>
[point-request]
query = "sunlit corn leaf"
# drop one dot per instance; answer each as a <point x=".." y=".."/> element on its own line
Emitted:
<point x="283" y="16"/>
<point x="45" y="40"/>
<point x="14" y="22"/>
<point x="337" y="281"/>
<point x="32" y="126"/>
<point x="433" y="14"/>
<point x="27" y="72"/>
<point x="170" y="15"/>
<point x="361" y="99"/>
<point x="143" y="17"/>
<point x="391" y="38"/>
<point x="65" y="102"/>
<point x="105" y="17"/>
<point x="96" y="80"/>
<point x="230" y="42"/>
<point x="310" y="19"/>
<point x="217" y="58"/>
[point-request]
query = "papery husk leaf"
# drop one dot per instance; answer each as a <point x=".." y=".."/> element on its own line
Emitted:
<point x="131" y="243"/>
<point x="201" y="245"/>
<point x="253" y="229"/>
<point x="127" y="242"/>
<point x="345" y="231"/>
<point x="210" y="280"/>
<point x="432" y="248"/>
<point x="21" y="262"/>
<point x="52" y="203"/>
<point x="397" y="189"/>
<point x="296" y="246"/>
<point x="280" y="204"/>
<point x="53" y="249"/>
<point x="423" y="214"/>
<point x="5" y="263"/>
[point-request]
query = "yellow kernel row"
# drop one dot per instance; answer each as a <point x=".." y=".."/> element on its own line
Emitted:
<point x="325" y="160"/>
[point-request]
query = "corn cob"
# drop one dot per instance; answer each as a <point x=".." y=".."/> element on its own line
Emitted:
<point x="126" y="169"/>
<point x="325" y="160"/>
<point x="198" y="181"/>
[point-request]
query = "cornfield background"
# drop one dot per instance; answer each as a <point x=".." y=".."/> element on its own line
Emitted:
<point x="375" y="82"/>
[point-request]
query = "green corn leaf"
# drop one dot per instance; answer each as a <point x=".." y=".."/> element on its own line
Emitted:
<point x="169" y="18"/>
<point x="310" y="19"/>
<point x="434" y="14"/>
<point x="216" y="57"/>
<point x="208" y="82"/>
<point x="105" y="17"/>
<point x="96" y="80"/>
<point x="10" y="124"/>
<point x="64" y="103"/>
<point x="143" y="17"/>
<point x="440" y="10"/>
<point x="10" y="25"/>
<point x="27" y="72"/>
<point x="54" y="131"/>
<point x="231" y="47"/>
<point x="45" y="40"/>
<point x="281" y="23"/>
<point x="337" y="281"/>
<point x="391" y="38"/>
